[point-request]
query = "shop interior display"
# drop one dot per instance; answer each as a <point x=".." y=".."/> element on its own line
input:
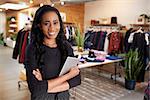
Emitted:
<point x="102" y="35"/>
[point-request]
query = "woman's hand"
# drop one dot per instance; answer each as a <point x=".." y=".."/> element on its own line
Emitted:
<point x="74" y="72"/>
<point x="37" y="74"/>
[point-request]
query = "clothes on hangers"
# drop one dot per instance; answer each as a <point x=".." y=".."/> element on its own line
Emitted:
<point x="70" y="34"/>
<point x="88" y="40"/>
<point x="21" y="42"/>
<point x="130" y="39"/>
<point x="139" y="40"/>
<point x="126" y="43"/>
<point x="98" y="40"/>
<point x="24" y="45"/>
<point x="104" y="40"/>
<point x="115" y="43"/>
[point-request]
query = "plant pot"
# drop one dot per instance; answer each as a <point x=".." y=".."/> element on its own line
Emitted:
<point x="130" y="84"/>
<point x="80" y="49"/>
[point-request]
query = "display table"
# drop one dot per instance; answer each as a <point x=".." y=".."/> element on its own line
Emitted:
<point x="93" y="64"/>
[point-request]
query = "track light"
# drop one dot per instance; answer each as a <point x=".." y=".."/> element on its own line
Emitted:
<point x="62" y="3"/>
<point x="41" y="4"/>
<point x="31" y="1"/>
<point x="53" y="5"/>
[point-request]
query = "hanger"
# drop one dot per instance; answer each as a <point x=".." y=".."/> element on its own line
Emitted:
<point x="139" y="30"/>
<point x="114" y="29"/>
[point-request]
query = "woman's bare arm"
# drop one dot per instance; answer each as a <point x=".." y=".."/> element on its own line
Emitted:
<point x="60" y="88"/>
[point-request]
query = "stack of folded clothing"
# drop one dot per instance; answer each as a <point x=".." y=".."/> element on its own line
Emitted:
<point x="113" y="57"/>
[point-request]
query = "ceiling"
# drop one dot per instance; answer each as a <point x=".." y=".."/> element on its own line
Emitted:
<point x="37" y="2"/>
<point x="41" y="1"/>
<point x="26" y="1"/>
<point x="77" y="1"/>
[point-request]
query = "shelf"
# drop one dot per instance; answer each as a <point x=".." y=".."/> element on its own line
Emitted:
<point x="13" y="25"/>
<point x="107" y="25"/>
<point x="68" y="23"/>
<point x="142" y="25"/>
<point x="11" y="31"/>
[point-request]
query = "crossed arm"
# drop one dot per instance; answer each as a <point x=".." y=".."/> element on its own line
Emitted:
<point x="60" y="83"/>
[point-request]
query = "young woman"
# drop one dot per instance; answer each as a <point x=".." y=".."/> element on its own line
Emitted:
<point x="45" y="56"/>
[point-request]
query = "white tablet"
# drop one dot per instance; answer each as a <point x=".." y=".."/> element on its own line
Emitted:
<point x="69" y="63"/>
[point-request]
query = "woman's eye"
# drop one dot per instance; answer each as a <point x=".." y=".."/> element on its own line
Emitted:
<point x="45" y="23"/>
<point x="55" y="23"/>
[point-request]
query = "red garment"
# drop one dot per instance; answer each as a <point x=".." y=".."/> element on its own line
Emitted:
<point x="22" y="55"/>
<point x="115" y="44"/>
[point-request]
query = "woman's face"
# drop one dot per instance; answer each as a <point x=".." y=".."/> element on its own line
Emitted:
<point x="50" y="25"/>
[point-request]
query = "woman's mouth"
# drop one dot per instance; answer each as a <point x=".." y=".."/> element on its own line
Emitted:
<point x="51" y="33"/>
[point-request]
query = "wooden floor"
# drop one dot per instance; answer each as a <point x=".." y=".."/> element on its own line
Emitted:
<point x="9" y="70"/>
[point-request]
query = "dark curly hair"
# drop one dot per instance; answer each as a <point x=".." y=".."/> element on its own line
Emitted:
<point x="37" y="35"/>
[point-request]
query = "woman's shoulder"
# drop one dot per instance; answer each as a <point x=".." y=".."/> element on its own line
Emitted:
<point x="68" y="48"/>
<point x="30" y="48"/>
<point x="67" y="44"/>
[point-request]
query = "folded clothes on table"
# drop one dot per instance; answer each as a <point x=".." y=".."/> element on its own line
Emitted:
<point x="94" y="60"/>
<point x="113" y="57"/>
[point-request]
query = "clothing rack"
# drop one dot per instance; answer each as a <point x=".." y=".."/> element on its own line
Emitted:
<point x="100" y="37"/>
<point x="70" y="29"/>
<point x="146" y="27"/>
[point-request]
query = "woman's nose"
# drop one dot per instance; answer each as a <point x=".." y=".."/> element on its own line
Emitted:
<point x="51" y="28"/>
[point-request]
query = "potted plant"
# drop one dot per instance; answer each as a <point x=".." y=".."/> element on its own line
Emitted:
<point x="79" y="38"/>
<point x="1" y="39"/>
<point x="146" y="18"/>
<point x="133" y="66"/>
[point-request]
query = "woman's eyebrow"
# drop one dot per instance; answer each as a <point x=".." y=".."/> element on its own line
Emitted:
<point x="46" y="21"/>
<point x="55" y="20"/>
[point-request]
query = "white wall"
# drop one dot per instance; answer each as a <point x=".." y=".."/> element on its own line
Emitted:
<point x="127" y="11"/>
<point x="148" y="7"/>
<point x="21" y="23"/>
<point x="2" y="22"/>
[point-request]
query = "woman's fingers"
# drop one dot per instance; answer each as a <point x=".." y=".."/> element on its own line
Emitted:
<point x="38" y="70"/>
<point x="37" y="74"/>
<point x="74" y="71"/>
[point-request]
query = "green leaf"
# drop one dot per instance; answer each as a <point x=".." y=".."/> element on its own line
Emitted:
<point x="133" y="65"/>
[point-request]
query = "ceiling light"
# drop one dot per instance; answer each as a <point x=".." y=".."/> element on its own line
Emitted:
<point x="62" y="3"/>
<point x="13" y="6"/>
<point x="31" y="1"/>
<point x="53" y="5"/>
<point x="41" y="4"/>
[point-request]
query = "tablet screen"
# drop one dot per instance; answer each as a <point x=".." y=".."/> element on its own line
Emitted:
<point x="69" y="63"/>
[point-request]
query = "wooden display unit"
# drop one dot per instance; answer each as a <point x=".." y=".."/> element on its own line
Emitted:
<point x="107" y="25"/>
<point x="12" y="26"/>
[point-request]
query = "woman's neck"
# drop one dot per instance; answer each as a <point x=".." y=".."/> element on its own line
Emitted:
<point x="50" y="42"/>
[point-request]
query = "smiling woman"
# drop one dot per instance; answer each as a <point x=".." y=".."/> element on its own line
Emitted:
<point x="46" y="55"/>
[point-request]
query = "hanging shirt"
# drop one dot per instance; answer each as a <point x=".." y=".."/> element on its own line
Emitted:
<point x="106" y="44"/>
<point x="24" y="45"/>
<point x="98" y="40"/>
<point x="130" y="40"/>
<point x="115" y="45"/>
<point x="67" y="33"/>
